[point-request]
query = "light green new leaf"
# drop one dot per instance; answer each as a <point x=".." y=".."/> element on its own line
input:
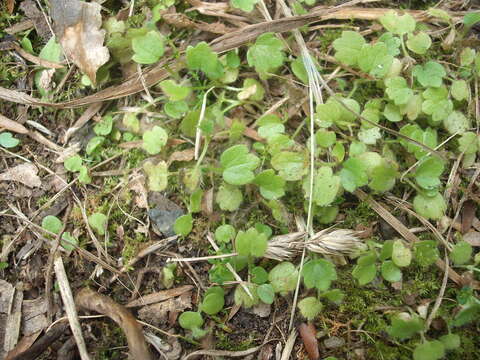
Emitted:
<point x="427" y="174"/>
<point x="97" y="221"/>
<point x="364" y="273"/>
<point x="456" y="123"/>
<point x="174" y="91"/>
<point x="229" y="197"/>
<point x="148" y="48"/>
<point x="375" y="59"/>
<point x="430" y="74"/>
<point x="157" y="175"/>
<point x="183" y="225"/>
<point x="73" y="163"/>
<point x="426" y="252"/>
<point x="201" y="57"/>
<point x="419" y="43"/>
<point x="251" y="243"/>
<point x="353" y="174"/>
<point x="401" y="255"/>
<point x="325" y="187"/>
<point x="404" y="326"/>
<point x="390" y="271"/>
<point x="461" y="253"/>
<point x="396" y="24"/>
<point x="429" y="350"/>
<point x="245" y="5"/>
<point x="7" y="140"/>
<point x="283" y="277"/>
<point x="437" y="103"/>
<point x="468" y="143"/>
<point x="310" y="307"/>
<point x="104" y="127"/>
<point x="451" y="341"/>
<point x="52" y="224"/>
<point x="383" y="177"/>
<point x="319" y="274"/>
<point x="290" y="165"/>
<point x="266" y="293"/>
<point x="266" y="55"/>
<point x="225" y="233"/>
<point x="272" y="186"/>
<point x="154" y="140"/>
<point x="398" y="90"/>
<point x="238" y="165"/>
<point x="460" y="90"/>
<point x="430" y="207"/>
<point x="348" y="47"/>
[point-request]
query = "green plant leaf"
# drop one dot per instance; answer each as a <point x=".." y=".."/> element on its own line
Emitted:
<point x="98" y="221"/>
<point x="392" y="42"/>
<point x="245" y="5"/>
<point x="213" y="301"/>
<point x="437" y="103"/>
<point x="456" y="123"/>
<point x="283" y="277"/>
<point x="471" y="18"/>
<point x="398" y="90"/>
<point x="404" y="326"/>
<point x="272" y="186"/>
<point x="242" y="298"/>
<point x="252" y="90"/>
<point x="401" y="255"/>
<point x="375" y="59"/>
<point x="383" y="177"/>
<point x="201" y="57"/>
<point x="429" y="350"/>
<point x="430" y="207"/>
<point x="460" y="90"/>
<point x="94" y="144"/>
<point x="468" y="143"/>
<point x="353" y="174"/>
<point x="251" y="243"/>
<point x="325" y="138"/>
<point x="148" y="48"/>
<point x="154" y="140"/>
<point x="450" y="341"/>
<point x="225" y="233"/>
<point x="335" y="295"/>
<point x="68" y="241"/>
<point x="364" y="273"/>
<point x="174" y="91"/>
<point x="461" y="253"/>
<point x="266" y="293"/>
<point x="396" y="24"/>
<point x="291" y="166"/>
<point x="259" y="275"/>
<point x="52" y="224"/>
<point x="430" y="74"/>
<point x="310" y="307"/>
<point x="157" y="175"/>
<point x="266" y="55"/>
<point x="428" y="172"/>
<point x="190" y="319"/>
<point x="390" y="271"/>
<point x="104" y="127"/>
<point x="73" y="163"/>
<point x="183" y="225"/>
<point x="319" y="274"/>
<point x="426" y="252"/>
<point x="229" y="197"/>
<point x="83" y="176"/>
<point x="7" y="140"/>
<point x="325" y="187"/>
<point x="419" y="43"/>
<point x="348" y="47"/>
<point x="238" y="165"/>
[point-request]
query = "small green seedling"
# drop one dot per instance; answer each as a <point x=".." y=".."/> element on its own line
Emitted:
<point x="193" y="321"/>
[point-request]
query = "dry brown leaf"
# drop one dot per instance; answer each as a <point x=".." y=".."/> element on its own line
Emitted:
<point x="11" y="125"/>
<point x="31" y="11"/>
<point x="183" y="21"/>
<point x="473" y="238"/>
<point x="308" y="335"/>
<point x="23" y="173"/>
<point x="184" y="155"/>
<point x="468" y="213"/>
<point x="77" y="27"/>
<point x="137" y="185"/>
<point x="10" y="5"/>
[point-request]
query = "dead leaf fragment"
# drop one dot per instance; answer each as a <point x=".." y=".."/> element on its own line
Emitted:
<point x="24" y="173"/>
<point x="473" y="238"/>
<point x="36" y="16"/>
<point x="468" y="213"/>
<point x="307" y="333"/>
<point x="77" y="26"/>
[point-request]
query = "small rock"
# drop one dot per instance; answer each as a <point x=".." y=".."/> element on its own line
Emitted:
<point x="163" y="213"/>
<point x="334" y="342"/>
<point x="262" y="310"/>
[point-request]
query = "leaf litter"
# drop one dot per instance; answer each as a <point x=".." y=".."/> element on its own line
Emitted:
<point x="219" y="193"/>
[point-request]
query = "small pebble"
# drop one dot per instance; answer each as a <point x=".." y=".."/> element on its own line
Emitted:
<point x="334" y="342"/>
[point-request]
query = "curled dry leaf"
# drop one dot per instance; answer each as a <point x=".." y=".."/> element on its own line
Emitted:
<point x="91" y="300"/>
<point x="307" y="333"/>
<point x="23" y="173"/>
<point x="77" y="27"/>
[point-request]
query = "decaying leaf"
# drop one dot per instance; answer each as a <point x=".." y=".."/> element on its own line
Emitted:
<point x="160" y="313"/>
<point x="23" y="173"/>
<point x="35" y="15"/>
<point x="77" y="27"/>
